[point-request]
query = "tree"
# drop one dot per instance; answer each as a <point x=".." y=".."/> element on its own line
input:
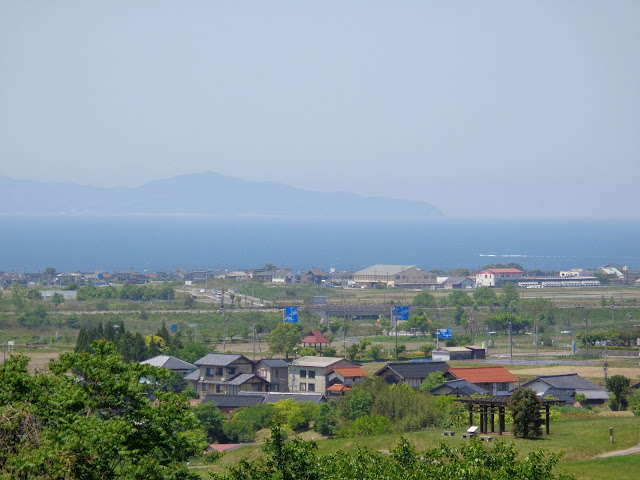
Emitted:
<point x="352" y="351"/>
<point x="485" y="296"/>
<point x="618" y="385"/>
<point x="525" y="410"/>
<point x="424" y="299"/>
<point x="376" y="352"/>
<point x="509" y="296"/>
<point x="329" y="352"/>
<point x="212" y="420"/>
<point x="57" y="299"/>
<point x="95" y="423"/>
<point x="308" y="352"/>
<point x="435" y="379"/>
<point x="459" y="298"/>
<point x="189" y="302"/>
<point x="284" y="339"/>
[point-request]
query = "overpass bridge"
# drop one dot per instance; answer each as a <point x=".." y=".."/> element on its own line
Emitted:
<point x="351" y="310"/>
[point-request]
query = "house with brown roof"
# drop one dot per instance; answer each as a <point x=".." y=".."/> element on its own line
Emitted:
<point x="497" y="381"/>
<point x="315" y="340"/>
<point x="342" y="379"/>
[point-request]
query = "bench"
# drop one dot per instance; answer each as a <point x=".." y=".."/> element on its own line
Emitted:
<point x="468" y="435"/>
<point x="448" y="433"/>
<point x="485" y="438"/>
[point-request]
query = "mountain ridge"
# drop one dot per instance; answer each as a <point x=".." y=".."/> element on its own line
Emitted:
<point x="206" y="193"/>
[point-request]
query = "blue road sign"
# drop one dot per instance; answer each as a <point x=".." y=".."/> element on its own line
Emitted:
<point x="402" y="314"/>
<point x="445" y="333"/>
<point x="574" y="347"/>
<point x="174" y="328"/>
<point x="291" y="314"/>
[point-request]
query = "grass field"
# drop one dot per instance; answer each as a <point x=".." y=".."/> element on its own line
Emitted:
<point x="581" y="437"/>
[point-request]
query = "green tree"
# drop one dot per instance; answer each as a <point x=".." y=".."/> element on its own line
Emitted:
<point x="485" y="296"/>
<point x="618" y="385"/>
<point x="284" y="339"/>
<point x="435" y="379"/>
<point x="524" y="406"/>
<point x="212" y="420"/>
<point x="57" y="299"/>
<point x="510" y="296"/>
<point x="459" y="298"/>
<point x="308" y="352"/>
<point x="329" y="352"/>
<point x="376" y="352"/>
<point x="189" y="302"/>
<point x="95" y="423"/>
<point x="424" y="299"/>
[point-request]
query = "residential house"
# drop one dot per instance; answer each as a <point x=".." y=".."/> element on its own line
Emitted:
<point x="238" y="276"/>
<point x="225" y="373"/>
<point x="316" y="340"/>
<point x="458" y="388"/>
<point x="309" y="374"/>
<point x="342" y="379"/>
<point x="471" y="352"/>
<point x="565" y="387"/>
<point x="275" y="371"/>
<point x="283" y="276"/>
<point x="66" y="294"/>
<point x="498" y="381"/>
<point x="171" y="363"/>
<point x="497" y="277"/>
<point x="406" y="276"/>
<point x="412" y="373"/>
<point x="457" y="283"/>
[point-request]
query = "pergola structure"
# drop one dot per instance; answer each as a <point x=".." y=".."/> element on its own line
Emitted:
<point x="487" y="407"/>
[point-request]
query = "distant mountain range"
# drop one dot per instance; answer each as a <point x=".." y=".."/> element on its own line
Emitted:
<point x="199" y="194"/>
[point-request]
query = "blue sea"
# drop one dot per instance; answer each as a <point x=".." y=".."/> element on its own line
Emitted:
<point x="164" y="243"/>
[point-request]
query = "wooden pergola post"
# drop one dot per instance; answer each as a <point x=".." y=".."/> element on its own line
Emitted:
<point x="471" y="415"/>
<point x="547" y="422"/>
<point x="493" y="409"/>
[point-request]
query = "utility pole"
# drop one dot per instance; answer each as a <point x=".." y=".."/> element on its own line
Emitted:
<point x="604" y="368"/>
<point x="613" y="306"/>
<point x="586" y="330"/>
<point x="510" y="334"/>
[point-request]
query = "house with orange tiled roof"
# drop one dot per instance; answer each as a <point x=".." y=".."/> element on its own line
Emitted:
<point x="498" y="381"/>
<point x="345" y="376"/>
<point x="315" y="340"/>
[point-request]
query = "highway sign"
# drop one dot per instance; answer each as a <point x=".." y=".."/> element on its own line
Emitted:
<point x="291" y="314"/>
<point x="445" y="333"/>
<point x="402" y="314"/>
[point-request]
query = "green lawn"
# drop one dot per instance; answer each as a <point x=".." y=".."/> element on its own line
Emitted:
<point x="581" y="439"/>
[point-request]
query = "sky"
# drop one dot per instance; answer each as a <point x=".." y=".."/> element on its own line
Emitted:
<point x="497" y="109"/>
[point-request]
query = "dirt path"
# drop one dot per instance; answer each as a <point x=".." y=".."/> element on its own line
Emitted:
<point x="619" y="453"/>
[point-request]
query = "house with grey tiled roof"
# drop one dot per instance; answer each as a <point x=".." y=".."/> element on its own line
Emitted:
<point x="565" y="387"/>
<point x="170" y="363"/>
<point x="226" y="373"/>
<point x="275" y="371"/>
<point x="458" y="388"/>
<point x="412" y="373"/>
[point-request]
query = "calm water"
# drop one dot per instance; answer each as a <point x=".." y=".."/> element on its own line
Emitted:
<point x="165" y="243"/>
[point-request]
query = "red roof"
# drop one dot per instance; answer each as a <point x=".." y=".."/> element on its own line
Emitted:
<point x="484" y="374"/>
<point x="338" y="387"/>
<point x="315" y="337"/>
<point x="351" y="371"/>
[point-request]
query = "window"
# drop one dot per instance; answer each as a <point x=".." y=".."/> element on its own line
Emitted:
<point x="312" y="374"/>
<point x="218" y="388"/>
<point x="231" y="370"/>
<point x="503" y="387"/>
<point x="209" y="372"/>
<point x="262" y="373"/>
<point x="303" y="373"/>
<point x="312" y="387"/>
<point x="205" y="387"/>
<point x="277" y="372"/>
<point x="219" y="371"/>
<point x="303" y="387"/>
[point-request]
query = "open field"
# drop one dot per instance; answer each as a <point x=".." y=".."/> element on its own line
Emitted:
<point x="581" y="437"/>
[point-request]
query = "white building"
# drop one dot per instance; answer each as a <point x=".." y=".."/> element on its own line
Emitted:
<point x="496" y="277"/>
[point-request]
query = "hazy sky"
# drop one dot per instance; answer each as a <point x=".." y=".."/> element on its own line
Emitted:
<point x="502" y="109"/>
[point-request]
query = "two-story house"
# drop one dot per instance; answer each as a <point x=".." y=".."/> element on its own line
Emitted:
<point x="275" y="371"/>
<point x="225" y="373"/>
<point x="309" y="374"/>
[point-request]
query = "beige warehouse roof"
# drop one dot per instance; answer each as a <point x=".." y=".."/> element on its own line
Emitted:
<point x="384" y="270"/>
